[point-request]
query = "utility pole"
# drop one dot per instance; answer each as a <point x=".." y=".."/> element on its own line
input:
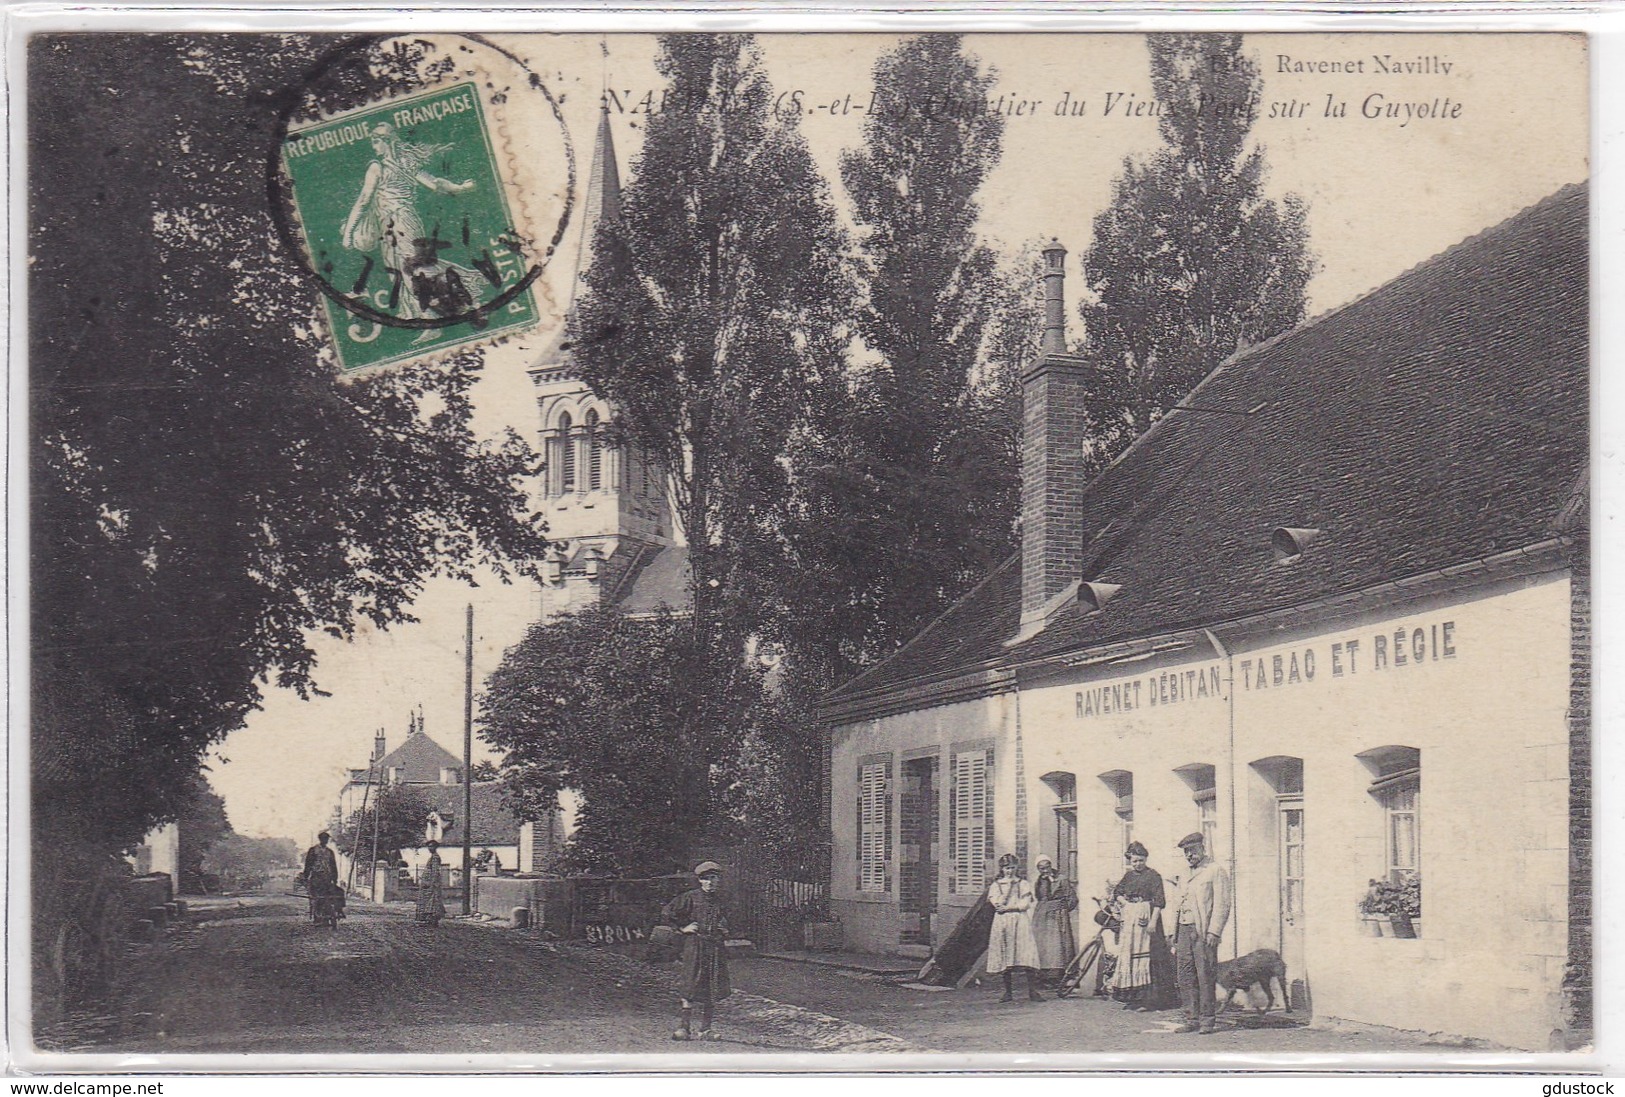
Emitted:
<point x="372" y="866"/>
<point x="468" y="768"/>
<point x="355" y="840"/>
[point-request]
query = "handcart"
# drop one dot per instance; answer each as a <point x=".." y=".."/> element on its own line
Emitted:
<point x="327" y="909"/>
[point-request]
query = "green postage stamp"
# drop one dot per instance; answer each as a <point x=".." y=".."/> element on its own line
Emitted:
<point x="406" y="221"/>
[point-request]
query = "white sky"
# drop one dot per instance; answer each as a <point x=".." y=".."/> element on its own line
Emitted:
<point x="1382" y="197"/>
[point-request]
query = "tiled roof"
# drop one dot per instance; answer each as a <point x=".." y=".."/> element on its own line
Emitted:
<point x="420" y="760"/>
<point x="495" y="824"/>
<point x="662" y="580"/>
<point x="1438" y="420"/>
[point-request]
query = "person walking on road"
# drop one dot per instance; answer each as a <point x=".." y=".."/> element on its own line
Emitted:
<point x="702" y="918"/>
<point x="321" y="877"/>
<point x="1204" y="909"/>
<point x="431" y="891"/>
<point x="1010" y="943"/>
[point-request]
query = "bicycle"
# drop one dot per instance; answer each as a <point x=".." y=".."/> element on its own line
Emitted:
<point x="1093" y="952"/>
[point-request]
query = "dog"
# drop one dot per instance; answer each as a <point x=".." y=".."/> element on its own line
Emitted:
<point x="1254" y="969"/>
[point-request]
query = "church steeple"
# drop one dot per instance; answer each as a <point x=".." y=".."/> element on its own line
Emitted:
<point x="602" y="202"/>
<point x="604" y="499"/>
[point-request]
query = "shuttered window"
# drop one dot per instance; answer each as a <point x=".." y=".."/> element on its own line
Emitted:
<point x="567" y="456"/>
<point x="971" y="813"/>
<point x="595" y="453"/>
<point x="874" y="826"/>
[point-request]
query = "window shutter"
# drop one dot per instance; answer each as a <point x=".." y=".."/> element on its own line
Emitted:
<point x="874" y="825"/>
<point x="567" y="455"/>
<point x="886" y="828"/>
<point x="972" y="819"/>
<point x="595" y="453"/>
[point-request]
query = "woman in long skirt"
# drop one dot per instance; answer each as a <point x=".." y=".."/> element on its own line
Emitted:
<point x="1143" y="979"/>
<point x="1052" y="921"/>
<point x="431" y="897"/>
<point x="700" y="916"/>
<point x="1010" y="943"/>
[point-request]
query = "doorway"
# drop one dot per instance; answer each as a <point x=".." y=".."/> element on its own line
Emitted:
<point x="917" y="866"/>
<point x="1290" y="832"/>
<point x="1276" y="811"/>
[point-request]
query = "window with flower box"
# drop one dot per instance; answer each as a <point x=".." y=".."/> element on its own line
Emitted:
<point x="1397" y="790"/>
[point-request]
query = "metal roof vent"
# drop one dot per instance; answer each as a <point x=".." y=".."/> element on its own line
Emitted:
<point x="1289" y="542"/>
<point x="1095" y="595"/>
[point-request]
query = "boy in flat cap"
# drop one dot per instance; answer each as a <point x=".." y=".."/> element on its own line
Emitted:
<point x="700" y="916"/>
<point x="1204" y="908"/>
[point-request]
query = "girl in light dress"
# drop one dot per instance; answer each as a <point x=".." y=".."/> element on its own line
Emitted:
<point x="1010" y="943"/>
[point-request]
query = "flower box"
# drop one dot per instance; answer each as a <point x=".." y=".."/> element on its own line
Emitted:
<point x="1375" y="925"/>
<point x="1394" y="908"/>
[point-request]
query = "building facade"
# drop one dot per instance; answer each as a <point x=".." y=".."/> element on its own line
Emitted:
<point x="436" y="775"/>
<point x="1332" y="612"/>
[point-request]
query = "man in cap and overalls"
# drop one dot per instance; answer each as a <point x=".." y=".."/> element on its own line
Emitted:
<point x="1204" y="908"/>
<point x="703" y="920"/>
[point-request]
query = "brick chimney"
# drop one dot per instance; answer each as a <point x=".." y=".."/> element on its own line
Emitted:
<point x="1054" y="341"/>
<point x="378" y="745"/>
<point x="1052" y="467"/>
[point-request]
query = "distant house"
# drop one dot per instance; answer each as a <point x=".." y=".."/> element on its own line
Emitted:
<point x="437" y="774"/>
<point x="420" y="762"/>
<point x="511" y="841"/>
<point x="159" y="851"/>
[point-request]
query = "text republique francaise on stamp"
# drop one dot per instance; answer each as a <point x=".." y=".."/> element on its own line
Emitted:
<point x="406" y="218"/>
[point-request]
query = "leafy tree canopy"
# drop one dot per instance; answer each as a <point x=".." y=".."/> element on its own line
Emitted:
<point x="206" y="496"/>
<point x="715" y="312"/>
<point x="202" y="826"/>
<point x="395" y="815"/>
<point x="907" y="494"/>
<point x="1190" y="261"/>
<point x="640" y="719"/>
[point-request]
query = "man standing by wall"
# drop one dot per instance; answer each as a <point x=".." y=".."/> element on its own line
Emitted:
<point x="1204" y="908"/>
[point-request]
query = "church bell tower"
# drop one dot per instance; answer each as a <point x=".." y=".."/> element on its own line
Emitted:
<point x="606" y="505"/>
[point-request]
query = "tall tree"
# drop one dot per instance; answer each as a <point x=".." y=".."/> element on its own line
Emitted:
<point x="907" y="496"/>
<point x="1190" y="261"/>
<point x="202" y="824"/>
<point x="397" y="815"/>
<point x="636" y="716"/>
<point x="714" y="310"/>
<point x="205" y="497"/>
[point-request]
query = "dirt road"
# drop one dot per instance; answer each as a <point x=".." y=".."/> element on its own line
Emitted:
<point x="252" y="975"/>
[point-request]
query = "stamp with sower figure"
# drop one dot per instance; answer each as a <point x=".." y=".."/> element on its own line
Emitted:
<point x="406" y="221"/>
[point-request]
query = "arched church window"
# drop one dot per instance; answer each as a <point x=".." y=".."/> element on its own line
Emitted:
<point x="567" y="455"/>
<point x="595" y="453"/>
